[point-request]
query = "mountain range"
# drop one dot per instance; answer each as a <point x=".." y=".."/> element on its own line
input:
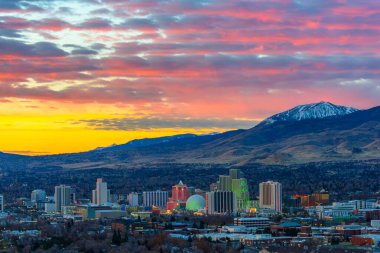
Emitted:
<point x="308" y="133"/>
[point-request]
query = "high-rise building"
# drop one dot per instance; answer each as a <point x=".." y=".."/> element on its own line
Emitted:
<point x="322" y="197"/>
<point x="101" y="195"/>
<point x="213" y="187"/>
<point x="179" y="196"/>
<point x="38" y="196"/>
<point x="271" y="195"/>
<point x="235" y="174"/>
<point x="133" y="199"/>
<point x="225" y="183"/>
<point x="240" y="188"/>
<point x="1" y="203"/>
<point x="221" y="202"/>
<point x="236" y="183"/>
<point x="179" y="192"/>
<point x="190" y="191"/>
<point x="155" y="198"/>
<point x="64" y="196"/>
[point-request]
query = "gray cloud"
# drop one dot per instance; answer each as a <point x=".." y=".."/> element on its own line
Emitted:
<point x="15" y="47"/>
<point x="128" y="124"/>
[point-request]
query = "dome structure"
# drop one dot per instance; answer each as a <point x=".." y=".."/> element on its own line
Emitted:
<point x="195" y="203"/>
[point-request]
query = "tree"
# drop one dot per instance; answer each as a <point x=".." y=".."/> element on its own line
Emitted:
<point x="334" y="241"/>
<point x="116" y="238"/>
<point x="126" y="236"/>
<point x="228" y="242"/>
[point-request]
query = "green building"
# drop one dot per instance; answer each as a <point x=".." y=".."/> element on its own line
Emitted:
<point x="237" y="184"/>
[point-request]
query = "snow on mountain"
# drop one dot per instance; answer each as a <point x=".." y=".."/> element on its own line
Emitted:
<point x="311" y="111"/>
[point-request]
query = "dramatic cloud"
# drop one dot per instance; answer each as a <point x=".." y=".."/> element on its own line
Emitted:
<point x="190" y="64"/>
<point x="42" y="49"/>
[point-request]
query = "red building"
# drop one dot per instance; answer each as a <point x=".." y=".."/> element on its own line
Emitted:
<point x="179" y="196"/>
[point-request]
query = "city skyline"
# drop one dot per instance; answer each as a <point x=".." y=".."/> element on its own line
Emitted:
<point x="77" y="75"/>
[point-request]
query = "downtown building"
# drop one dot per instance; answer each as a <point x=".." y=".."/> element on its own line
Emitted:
<point x="179" y="196"/>
<point x="155" y="198"/>
<point x="271" y="196"/>
<point x="236" y="183"/>
<point x="38" y="197"/>
<point x="221" y="202"/>
<point x="64" y="196"/>
<point x="101" y="195"/>
<point x="255" y="222"/>
<point x="133" y="199"/>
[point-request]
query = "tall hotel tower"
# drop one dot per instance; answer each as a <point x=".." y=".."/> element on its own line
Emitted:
<point x="101" y="194"/>
<point x="271" y="195"/>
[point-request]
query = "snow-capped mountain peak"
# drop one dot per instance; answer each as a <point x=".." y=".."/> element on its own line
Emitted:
<point x="311" y="111"/>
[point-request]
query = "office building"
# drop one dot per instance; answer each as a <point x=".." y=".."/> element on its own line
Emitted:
<point x="235" y="174"/>
<point x="256" y="222"/>
<point x="271" y="195"/>
<point x="133" y="199"/>
<point x="322" y="197"/>
<point x="224" y="183"/>
<point x="221" y="202"/>
<point x="1" y="203"/>
<point x="155" y="198"/>
<point x="64" y="196"/>
<point x="236" y="183"/>
<point x="213" y="187"/>
<point x="38" y="196"/>
<point x="49" y="207"/>
<point x="101" y="194"/>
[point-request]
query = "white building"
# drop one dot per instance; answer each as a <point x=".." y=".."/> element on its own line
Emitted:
<point x="155" y="198"/>
<point x="1" y="203"/>
<point x="256" y="222"/>
<point x="271" y="195"/>
<point x="342" y="209"/>
<point x="221" y="202"/>
<point x="133" y="199"/>
<point x="237" y="229"/>
<point x="337" y="209"/>
<point x="50" y="207"/>
<point x="38" y="196"/>
<point x="363" y="204"/>
<point x="64" y="196"/>
<point x="101" y="195"/>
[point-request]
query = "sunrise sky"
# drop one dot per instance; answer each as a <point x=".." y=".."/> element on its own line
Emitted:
<point x="79" y="74"/>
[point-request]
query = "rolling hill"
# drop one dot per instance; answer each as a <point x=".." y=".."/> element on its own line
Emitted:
<point x="354" y="135"/>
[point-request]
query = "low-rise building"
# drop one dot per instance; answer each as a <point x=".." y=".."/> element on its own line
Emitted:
<point x="347" y="231"/>
<point x="256" y="222"/>
<point x="365" y="240"/>
<point x="109" y="214"/>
